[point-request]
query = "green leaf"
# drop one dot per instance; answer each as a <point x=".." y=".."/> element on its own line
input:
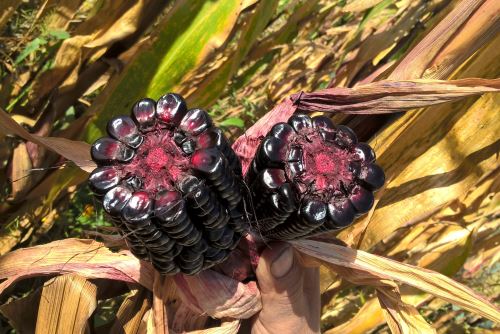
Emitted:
<point x="212" y="85"/>
<point x="233" y="121"/>
<point x="189" y="33"/>
<point x="30" y="48"/>
<point x="59" y="34"/>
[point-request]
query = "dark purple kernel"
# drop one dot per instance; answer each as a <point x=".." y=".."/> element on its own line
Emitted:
<point x="355" y="167"/>
<point x="314" y="212"/>
<point x="295" y="154"/>
<point x="123" y="128"/>
<point x="236" y="240"/>
<point x="200" y="247"/>
<point x="138" y="207"/>
<point x="107" y="150"/>
<point x="167" y="203"/>
<point x="300" y="122"/>
<point x="295" y="168"/>
<point x="193" y="238"/>
<point x="345" y="137"/>
<point x="271" y="178"/>
<point x="272" y="152"/>
<point x="275" y="202"/>
<point x="179" y="227"/>
<point x="341" y="213"/>
<point x="144" y="114"/>
<point x="287" y="197"/>
<point x="327" y="136"/>
<point x="195" y="122"/>
<point x="141" y="228"/>
<point x="116" y="199"/>
<point x="170" y="109"/>
<point x="188" y="147"/>
<point x="361" y="199"/>
<point x="226" y="239"/>
<point x="215" y="255"/>
<point x="207" y="161"/>
<point x="323" y="122"/>
<point x="179" y="138"/>
<point x="211" y="138"/>
<point x="164" y="243"/>
<point x="364" y="152"/>
<point x="191" y="268"/>
<point x="215" y="234"/>
<point x="281" y="131"/>
<point x="134" y="182"/>
<point x="152" y="238"/>
<point x="188" y="255"/>
<point x="372" y="176"/>
<point x="104" y="178"/>
<point x="166" y="268"/>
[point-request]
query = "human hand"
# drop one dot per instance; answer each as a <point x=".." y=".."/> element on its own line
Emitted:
<point x="289" y="291"/>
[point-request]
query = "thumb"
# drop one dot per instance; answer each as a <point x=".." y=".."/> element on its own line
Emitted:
<point x="285" y="306"/>
<point x="278" y="271"/>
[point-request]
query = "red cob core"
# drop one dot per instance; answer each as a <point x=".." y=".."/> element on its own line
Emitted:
<point x="326" y="167"/>
<point x="156" y="159"/>
<point x="159" y="162"/>
<point x="331" y="169"/>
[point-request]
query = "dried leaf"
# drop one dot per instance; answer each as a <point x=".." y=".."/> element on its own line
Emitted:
<point x="360" y="5"/>
<point x="7" y="9"/>
<point x="300" y="13"/>
<point x="227" y="327"/>
<point x="76" y="151"/>
<point x="483" y="25"/>
<point x="418" y="59"/>
<point x="440" y="243"/>
<point x="206" y="83"/>
<point x="159" y="311"/>
<point x="20" y="169"/>
<point x="88" y="258"/>
<point x="364" y="268"/>
<point x="72" y="54"/>
<point x="443" y="247"/>
<point x="39" y="203"/>
<point x="436" y="171"/>
<point x="401" y="317"/>
<point x="22" y="312"/>
<point x="381" y="42"/>
<point x="120" y="28"/>
<point x="218" y="295"/>
<point x="67" y="302"/>
<point x="302" y="64"/>
<point x="368" y="317"/>
<point x="457" y="144"/>
<point x="57" y="21"/>
<point x="392" y="96"/>
<point x="130" y="315"/>
<point x="185" y="319"/>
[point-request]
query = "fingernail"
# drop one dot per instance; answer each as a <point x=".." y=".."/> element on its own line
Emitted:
<point x="283" y="262"/>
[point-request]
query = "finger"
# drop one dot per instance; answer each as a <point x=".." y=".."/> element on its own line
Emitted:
<point x="278" y="270"/>
<point x="312" y="291"/>
<point x="286" y="307"/>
